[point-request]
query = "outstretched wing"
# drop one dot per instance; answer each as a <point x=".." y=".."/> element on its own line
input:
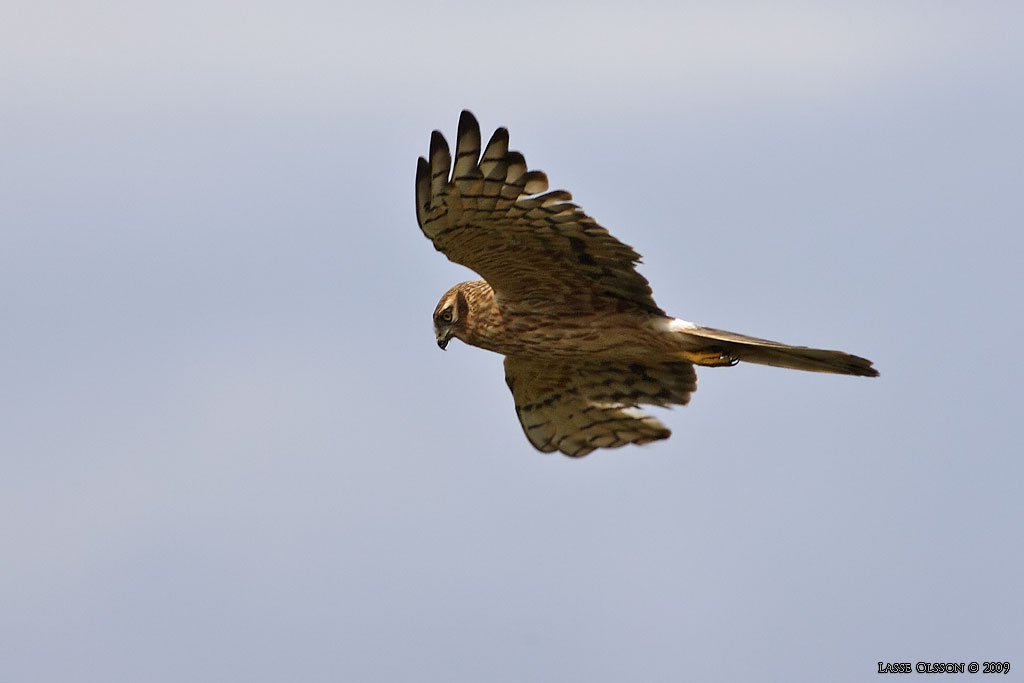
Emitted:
<point x="489" y="213"/>
<point x="577" y="407"/>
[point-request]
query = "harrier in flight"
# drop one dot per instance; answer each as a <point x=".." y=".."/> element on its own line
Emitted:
<point x="584" y="343"/>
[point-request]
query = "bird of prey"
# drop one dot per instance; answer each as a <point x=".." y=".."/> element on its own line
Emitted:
<point x="584" y="342"/>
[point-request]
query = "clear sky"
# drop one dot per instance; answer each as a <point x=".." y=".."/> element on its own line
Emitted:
<point x="231" y="451"/>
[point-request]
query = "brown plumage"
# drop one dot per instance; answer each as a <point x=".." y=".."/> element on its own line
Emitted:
<point x="584" y="342"/>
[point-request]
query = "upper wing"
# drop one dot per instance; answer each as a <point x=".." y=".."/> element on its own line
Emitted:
<point x="487" y="214"/>
<point x="577" y="407"/>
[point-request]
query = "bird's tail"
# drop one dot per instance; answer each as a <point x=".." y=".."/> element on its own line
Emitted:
<point x="737" y="347"/>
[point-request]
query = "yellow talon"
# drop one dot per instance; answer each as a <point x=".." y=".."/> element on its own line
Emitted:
<point x="712" y="358"/>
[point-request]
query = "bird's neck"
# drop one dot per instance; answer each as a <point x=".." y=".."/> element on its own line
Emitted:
<point x="485" y="323"/>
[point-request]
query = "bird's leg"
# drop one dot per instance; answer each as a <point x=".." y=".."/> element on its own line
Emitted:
<point x="714" y="357"/>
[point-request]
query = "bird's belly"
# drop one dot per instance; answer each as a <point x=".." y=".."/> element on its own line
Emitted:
<point x="625" y="337"/>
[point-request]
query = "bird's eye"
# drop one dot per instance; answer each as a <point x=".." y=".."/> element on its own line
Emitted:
<point x="446" y="315"/>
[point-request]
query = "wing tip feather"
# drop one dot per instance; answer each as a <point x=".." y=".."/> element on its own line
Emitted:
<point x="437" y="143"/>
<point x="467" y="121"/>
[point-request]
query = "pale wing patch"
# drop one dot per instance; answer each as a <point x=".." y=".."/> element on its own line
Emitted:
<point x="578" y="407"/>
<point x="675" y="325"/>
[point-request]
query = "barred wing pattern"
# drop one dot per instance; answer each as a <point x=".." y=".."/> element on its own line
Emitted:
<point x="578" y="407"/>
<point x="488" y="213"/>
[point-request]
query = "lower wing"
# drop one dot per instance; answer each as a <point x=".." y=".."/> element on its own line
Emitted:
<point x="578" y="406"/>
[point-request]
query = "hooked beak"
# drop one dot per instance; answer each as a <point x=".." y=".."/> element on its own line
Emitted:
<point x="443" y="338"/>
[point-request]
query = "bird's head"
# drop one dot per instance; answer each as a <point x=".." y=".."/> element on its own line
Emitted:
<point x="450" y="316"/>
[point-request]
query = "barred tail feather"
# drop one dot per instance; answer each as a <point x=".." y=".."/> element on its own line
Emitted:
<point x="765" y="352"/>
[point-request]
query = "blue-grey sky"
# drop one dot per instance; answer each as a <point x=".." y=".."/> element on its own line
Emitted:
<point x="232" y="451"/>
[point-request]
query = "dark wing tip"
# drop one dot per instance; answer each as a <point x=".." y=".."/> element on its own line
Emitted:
<point x="422" y="178"/>
<point x="437" y="143"/>
<point x="422" y="189"/>
<point x="500" y="133"/>
<point x="467" y="122"/>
